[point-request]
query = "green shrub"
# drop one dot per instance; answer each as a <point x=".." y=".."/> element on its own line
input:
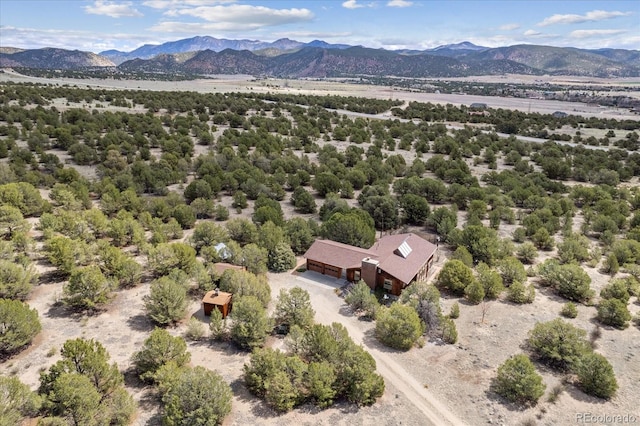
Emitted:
<point x="87" y="288"/>
<point x="17" y="402"/>
<point x="20" y="325"/>
<point x="167" y="301"/>
<point x="281" y="258"/>
<point x="455" y="311"/>
<point x="569" y="310"/>
<point x="558" y="344"/>
<point x="195" y="329"/>
<point x="596" y="376"/>
<point x="197" y="397"/>
<point x="250" y="325"/>
<point x="518" y="381"/>
<point x="455" y="276"/>
<point x="16" y="280"/>
<point x="399" y="326"/>
<point x="360" y="299"/>
<point x="614" y="312"/>
<point x="520" y="293"/>
<point x="160" y="348"/>
<point x="474" y="292"/>
<point x="616" y="289"/>
<point x="449" y="331"/>
<point x="571" y="281"/>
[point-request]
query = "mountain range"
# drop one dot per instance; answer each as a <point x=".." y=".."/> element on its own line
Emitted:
<point x="318" y="59"/>
<point x="199" y="43"/>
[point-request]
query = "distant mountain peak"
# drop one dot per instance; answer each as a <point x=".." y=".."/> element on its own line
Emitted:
<point x="465" y="45"/>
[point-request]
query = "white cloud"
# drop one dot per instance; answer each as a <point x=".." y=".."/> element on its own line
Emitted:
<point x="232" y="17"/>
<point x="351" y="4"/>
<point x="592" y="16"/>
<point x="199" y="28"/>
<point x="537" y="35"/>
<point x="114" y="10"/>
<point x="33" y="38"/>
<point x="594" y="33"/>
<point x="311" y="35"/>
<point x="399" y="3"/>
<point x="251" y="16"/>
<point x="173" y="4"/>
<point x="509" y="27"/>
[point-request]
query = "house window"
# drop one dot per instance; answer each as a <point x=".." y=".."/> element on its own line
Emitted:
<point x="388" y="284"/>
<point x="356" y="276"/>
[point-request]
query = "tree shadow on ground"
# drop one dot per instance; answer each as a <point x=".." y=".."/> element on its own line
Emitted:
<point x="50" y="277"/>
<point x="227" y="347"/>
<point x="370" y="340"/>
<point x="464" y="302"/>
<point x="346" y="311"/>
<point x="140" y="322"/>
<point x="258" y="407"/>
<point x="60" y="310"/>
<point x="576" y="393"/>
<point x="494" y="397"/>
<point x="132" y="379"/>
<point x="199" y="314"/>
<point x="550" y="292"/>
<point x="149" y="400"/>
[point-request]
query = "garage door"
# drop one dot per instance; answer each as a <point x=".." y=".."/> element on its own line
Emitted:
<point x="333" y="271"/>
<point x="315" y="266"/>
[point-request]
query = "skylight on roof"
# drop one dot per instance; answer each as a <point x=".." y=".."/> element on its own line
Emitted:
<point x="404" y="250"/>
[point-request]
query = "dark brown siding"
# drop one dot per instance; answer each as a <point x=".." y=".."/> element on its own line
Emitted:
<point x="396" y="284"/>
<point x="324" y="268"/>
<point x="224" y="309"/>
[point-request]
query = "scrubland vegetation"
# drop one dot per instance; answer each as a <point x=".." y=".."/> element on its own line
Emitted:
<point x="112" y="190"/>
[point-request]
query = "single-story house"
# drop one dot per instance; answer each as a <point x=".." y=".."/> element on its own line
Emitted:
<point x="392" y="263"/>
<point x="216" y="299"/>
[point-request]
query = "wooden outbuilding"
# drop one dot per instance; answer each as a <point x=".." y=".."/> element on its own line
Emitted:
<point x="216" y="299"/>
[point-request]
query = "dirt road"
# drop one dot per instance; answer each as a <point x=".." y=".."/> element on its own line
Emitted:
<point x="330" y="308"/>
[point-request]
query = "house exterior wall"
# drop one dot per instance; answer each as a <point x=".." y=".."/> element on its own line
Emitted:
<point x="353" y="275"/>
<point x="369" y="272"/>
<point x="396" y="284"/>
<point x="224" y="309"/>
<point x="423" y="273"/>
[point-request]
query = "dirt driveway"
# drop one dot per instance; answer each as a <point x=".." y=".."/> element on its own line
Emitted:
<point x="331" y="308"/>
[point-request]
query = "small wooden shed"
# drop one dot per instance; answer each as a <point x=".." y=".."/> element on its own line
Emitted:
<point x="219" y="300"/>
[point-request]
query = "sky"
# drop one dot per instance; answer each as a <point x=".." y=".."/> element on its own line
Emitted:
<point x="98" y="25"/>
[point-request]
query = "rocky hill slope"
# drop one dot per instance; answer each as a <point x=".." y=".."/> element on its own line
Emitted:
<point x="52" y="58"/>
